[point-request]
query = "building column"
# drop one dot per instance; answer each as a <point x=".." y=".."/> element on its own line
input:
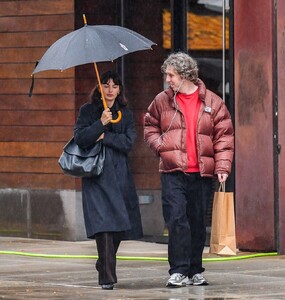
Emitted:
<point x="179" y="25"/>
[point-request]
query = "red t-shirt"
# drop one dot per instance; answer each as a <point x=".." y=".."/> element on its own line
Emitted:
<point x="190" y="105"/>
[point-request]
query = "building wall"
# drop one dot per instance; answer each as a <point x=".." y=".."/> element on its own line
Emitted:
<point x="36" y="199"/>
<point x="254" y="96"/>
<point x="33" y="130"/>
<point x="33" y="201"/>
<point x="280" y="35"/>
<point x="141" y="70"/>
<point x="143" y="80"/>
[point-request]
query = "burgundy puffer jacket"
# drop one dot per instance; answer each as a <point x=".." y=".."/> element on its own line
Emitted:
<point x="165" y="133"/>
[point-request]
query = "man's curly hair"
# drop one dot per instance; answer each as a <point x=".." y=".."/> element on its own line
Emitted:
<point x="183" y="64"/>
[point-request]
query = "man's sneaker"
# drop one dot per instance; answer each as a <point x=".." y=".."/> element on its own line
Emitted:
<point x="198" y="279"/>
<point x="177" y="280"/>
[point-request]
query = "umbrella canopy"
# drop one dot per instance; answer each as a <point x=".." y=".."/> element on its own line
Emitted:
<point x="90" y="44"/>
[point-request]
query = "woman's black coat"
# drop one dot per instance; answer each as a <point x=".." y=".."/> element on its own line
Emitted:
<point x="110" y="201"/>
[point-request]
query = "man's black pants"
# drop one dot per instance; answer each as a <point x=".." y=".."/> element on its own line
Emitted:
<point x="185" y="198"/>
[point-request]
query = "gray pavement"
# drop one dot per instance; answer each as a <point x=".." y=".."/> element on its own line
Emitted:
<point x="73" y="276"/>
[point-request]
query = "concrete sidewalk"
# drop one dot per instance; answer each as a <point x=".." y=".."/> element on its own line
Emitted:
<point x="73" y="276"/>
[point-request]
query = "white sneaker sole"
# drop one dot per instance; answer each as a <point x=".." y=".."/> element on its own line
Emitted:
<point x="175" y="285"/>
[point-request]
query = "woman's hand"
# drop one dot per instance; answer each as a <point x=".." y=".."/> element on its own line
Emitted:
<point x="222" y="177"/>
<point x="106" y="116"/>
<point x="101" y="137"/>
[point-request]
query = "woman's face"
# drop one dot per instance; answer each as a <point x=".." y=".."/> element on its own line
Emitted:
<point x="111" y="91"/>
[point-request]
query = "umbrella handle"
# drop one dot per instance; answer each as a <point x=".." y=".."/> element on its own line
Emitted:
<point x="118" y="119"/>
<point x="103" y="97"/>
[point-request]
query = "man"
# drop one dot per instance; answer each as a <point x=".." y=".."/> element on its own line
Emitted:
<point x="190" y="129"/>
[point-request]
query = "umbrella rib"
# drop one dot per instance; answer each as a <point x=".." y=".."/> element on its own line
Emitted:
<point x="67" y="45"/>
<point x="111" y="58"/>
<point x="137" y="36"/>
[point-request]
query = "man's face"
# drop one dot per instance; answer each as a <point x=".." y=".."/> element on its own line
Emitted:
<point x="173" y="79"/>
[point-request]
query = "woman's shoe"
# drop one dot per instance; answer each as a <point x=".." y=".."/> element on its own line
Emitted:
<point x="108" y="286"/>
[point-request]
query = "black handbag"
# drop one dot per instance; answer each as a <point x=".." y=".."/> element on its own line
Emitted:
<point x="79" y="162"/>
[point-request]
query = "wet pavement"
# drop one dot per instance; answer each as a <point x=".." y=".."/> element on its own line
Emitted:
<point x="46" y="269"/>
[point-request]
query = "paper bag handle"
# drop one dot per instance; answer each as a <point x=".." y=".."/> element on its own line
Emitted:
<point x="222" y="187"/>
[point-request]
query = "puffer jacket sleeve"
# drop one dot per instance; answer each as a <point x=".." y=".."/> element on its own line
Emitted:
<point x="152" y="130"/>
<point x="223" y="139"/>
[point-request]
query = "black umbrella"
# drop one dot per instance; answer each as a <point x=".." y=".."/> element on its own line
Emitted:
<point x="91" y="44"/>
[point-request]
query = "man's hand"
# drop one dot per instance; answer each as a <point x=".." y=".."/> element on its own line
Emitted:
<point x="222" y="177"/>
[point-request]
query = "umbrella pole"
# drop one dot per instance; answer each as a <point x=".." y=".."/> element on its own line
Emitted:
<point x="100" y="85"/>
<point x="103" y="97"/>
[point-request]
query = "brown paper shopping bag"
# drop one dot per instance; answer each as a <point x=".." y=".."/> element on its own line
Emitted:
<point x="223" y="235"/>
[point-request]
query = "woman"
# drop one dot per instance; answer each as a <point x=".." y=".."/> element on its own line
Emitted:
<point x="110" y="202"/>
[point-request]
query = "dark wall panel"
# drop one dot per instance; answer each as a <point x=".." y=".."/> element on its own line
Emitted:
<point x="144" y="80"/>
<point x="142" y="76"/>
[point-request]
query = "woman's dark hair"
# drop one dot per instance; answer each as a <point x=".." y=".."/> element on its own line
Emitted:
<point x="95" y="95"/>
